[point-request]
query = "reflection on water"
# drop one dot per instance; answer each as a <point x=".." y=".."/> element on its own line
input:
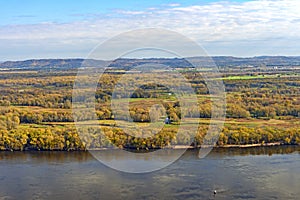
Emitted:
<point x="261" y="173"/>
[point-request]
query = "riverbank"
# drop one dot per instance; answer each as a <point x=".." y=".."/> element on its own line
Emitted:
<point x="176" y="147"/>
<point x="252" y="145"/>
<point x="231" y="145"/>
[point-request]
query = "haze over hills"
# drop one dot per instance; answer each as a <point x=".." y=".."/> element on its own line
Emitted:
<point x="124" y="63"/>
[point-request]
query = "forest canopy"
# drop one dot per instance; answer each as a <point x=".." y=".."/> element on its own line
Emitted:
<point x="35" y="110"/>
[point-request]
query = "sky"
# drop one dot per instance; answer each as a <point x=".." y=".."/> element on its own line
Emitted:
<point x="34" y="29"/>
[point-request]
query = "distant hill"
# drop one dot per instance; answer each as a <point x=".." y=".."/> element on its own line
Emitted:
<point x="220" y="61"/>
<point x="257" y="61"/>
<point x="42" y="64"/>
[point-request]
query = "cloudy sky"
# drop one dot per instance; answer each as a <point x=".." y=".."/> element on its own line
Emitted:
<point x="67" y="29"/>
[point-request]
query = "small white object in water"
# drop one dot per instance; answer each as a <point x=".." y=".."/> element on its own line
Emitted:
<point x="215" y="192"/>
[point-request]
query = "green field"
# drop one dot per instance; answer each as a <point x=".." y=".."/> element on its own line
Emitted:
<point x="261" y="76"/>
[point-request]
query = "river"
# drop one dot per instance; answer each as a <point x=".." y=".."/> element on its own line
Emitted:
<point x="248" y="173"/>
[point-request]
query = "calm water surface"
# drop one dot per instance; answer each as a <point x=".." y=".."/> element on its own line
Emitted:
<point x="255" y="173"/>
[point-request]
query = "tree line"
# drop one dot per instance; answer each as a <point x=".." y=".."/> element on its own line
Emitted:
<point x="53" y="138"/>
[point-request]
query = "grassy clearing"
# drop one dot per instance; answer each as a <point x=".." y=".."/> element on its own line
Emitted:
<point x="247" y="77"/>
<point x="251" y="123"/>
<point x="261" y="76"/>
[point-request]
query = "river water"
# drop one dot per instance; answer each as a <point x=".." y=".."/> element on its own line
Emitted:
<point x="249" y="173"/>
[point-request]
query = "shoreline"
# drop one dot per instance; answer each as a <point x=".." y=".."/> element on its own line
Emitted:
<point x="175" y="147"/>
<point x="231" y="146"/>
<point x="254" y="145"/>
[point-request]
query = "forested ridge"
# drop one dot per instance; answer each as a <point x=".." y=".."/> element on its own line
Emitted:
<point x="35" y="111"/>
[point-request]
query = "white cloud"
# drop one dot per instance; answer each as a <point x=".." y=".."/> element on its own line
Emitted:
<point x="254" y="23"/>
<point x="173" y="4"/>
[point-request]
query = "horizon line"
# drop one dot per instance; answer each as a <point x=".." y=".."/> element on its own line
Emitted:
<point x="141" y="58"/>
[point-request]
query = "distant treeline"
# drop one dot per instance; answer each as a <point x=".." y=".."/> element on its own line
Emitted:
<point x="221" y="61"/>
